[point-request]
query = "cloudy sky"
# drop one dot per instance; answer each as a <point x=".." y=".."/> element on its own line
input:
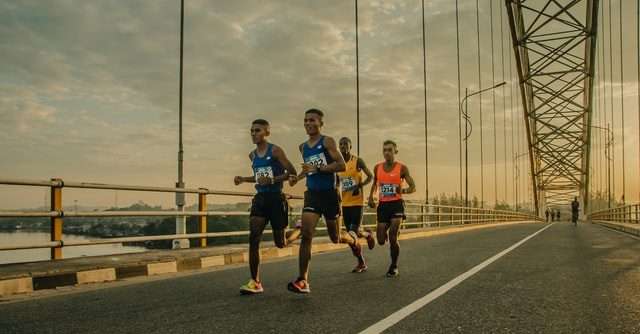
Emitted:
<point x="89" y="90"/>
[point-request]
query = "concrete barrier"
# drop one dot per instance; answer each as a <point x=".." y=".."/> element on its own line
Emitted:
<point x="15" y="286"/>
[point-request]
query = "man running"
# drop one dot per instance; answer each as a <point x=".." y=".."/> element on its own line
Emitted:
<point x="388" y="177"/>
<point x="270" y="168"/>
<point x="321" y="163"/>
<point x="575" y="210"/>
<point x="352" y="197"/>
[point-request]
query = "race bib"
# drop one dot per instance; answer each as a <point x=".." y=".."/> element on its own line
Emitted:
<point x="388" y="190"/>
<point x="348" y="183"/>
<point x="317" y="160"/>
<point x="266" y="171"/>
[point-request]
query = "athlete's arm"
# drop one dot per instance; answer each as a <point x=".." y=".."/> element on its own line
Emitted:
<point x="279" y="154"/>
<point x="363" y="167"/>
<point x="374" y="186"/>
<point x="302" y="174"/>
<point x="404" y="173"/>
<point x="242" y="179"/>
<point x="338" y="164"/>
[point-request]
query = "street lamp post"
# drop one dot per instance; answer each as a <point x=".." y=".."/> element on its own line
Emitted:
<point x="181" y="223"/>
<point x="468" y="129"/>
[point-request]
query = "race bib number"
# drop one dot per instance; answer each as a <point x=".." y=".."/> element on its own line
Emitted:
<point x="260" y="172"/>
<point x="388" y="190"/>
<point x="348" y="183"/>
<point x="317" y="160"/>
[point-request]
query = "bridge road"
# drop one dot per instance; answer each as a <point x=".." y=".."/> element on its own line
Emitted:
<point x="563" y="280"/>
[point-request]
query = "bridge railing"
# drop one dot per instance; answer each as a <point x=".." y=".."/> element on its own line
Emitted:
<point x="419" y="214"/>
<point x="623" y="214"/>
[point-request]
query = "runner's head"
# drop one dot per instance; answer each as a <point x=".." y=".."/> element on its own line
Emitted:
<point x="345" y="146"/>
<point x="389" y="150"/>
<point x="313" y="121"/>
<point x="259" y="131"/>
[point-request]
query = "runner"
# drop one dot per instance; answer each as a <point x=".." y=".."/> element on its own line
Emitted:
<point x="270" y="168"/>
<point x="352" y="198"/>
<point x="321" y="163"/>
<point x="575" y="210"/>
<point x="388" y="177"/>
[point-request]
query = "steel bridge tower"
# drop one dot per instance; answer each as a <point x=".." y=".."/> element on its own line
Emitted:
<point x="554" y="43"/>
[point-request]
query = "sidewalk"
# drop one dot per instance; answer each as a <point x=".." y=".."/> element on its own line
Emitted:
<point x="27" y="277"/>
<point x="630" y="228"/>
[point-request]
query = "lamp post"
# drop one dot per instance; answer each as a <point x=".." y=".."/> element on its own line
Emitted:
<point x="607" y="155"/>
<point x="181" y="223"/>
<point x="468" y="131"/>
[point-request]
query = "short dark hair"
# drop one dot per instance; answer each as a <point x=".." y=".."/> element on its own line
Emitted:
<point x="315" y="111"/>
<point x="390" y="142"/>
<point x="345" y="138"/>
<point x="260" y="121"/>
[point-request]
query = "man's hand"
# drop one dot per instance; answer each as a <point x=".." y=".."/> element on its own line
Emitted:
<point x="308" y="168"/>
<point x="371" y="202"/>
<point x="264" y="181"/>
<point x="293" y="179"/>
<point x="237" y="180"/>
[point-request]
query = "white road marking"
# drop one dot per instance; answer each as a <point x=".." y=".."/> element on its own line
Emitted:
<point x="404" y="312"/>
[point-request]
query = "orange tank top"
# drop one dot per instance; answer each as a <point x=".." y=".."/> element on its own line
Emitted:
<point x="389" y="183"/>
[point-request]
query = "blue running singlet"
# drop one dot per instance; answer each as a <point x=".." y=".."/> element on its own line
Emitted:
<point x="268" y="166"/>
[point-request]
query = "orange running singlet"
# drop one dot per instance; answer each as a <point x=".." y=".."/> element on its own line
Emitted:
<point x="389" y="183"/>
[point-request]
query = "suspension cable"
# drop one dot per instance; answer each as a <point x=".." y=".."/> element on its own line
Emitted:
<point x="480" y="105"/>
<point x="458" y="105"/>
<point x="624" y="170"/>
<point x="426" y="119"/>
<point x="504" y="109"/>
<point x="493" y="98"/>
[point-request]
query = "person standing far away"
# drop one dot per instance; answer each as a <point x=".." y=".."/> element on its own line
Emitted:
<point x="322" y="161"/>
<point x="351" y="185"/>
<point x="388" y="177"/>
<point x="270" y="168"/>
<point x="575" y="210"/>
<point x="546" y="213"/>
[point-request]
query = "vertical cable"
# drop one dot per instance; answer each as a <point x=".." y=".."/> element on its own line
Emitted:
<point x="458" y="105"/>
<point x="480" y="105"/>
<point x="623" y="124"/>
<point x="357" y="83"/>
<point x="638" y="85"/>
<point x="493" y="98"/>
<point x="613" y="150"/>
<point x="504" y="109"/>
<point x="426" y="119"/>
<point x="513" y="123"/>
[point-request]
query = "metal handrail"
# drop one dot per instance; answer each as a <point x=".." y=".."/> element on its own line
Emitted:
<point x="431" y="215"/>
<point x="629" y="213"/>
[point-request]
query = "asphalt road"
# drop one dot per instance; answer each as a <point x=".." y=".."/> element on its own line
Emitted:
<point x="563" y="280"/>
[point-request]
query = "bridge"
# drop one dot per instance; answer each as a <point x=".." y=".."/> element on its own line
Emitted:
<point x="495" y="264"/>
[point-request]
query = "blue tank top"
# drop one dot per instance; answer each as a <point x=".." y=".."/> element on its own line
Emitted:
<point x="318" y="156"/>
<point x="267" y="166"/>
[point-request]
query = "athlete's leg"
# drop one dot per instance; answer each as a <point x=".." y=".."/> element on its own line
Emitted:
<point x="351" y="239"/>
<point x="292" y="235"/>
<point x="381" y="233"/>
<point x="394" y="233"/>
<point x="309" y="222"/>
<point x="256" y="226"/>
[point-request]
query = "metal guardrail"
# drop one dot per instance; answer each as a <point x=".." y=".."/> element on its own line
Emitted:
<point x="623" y="214"/>
<point x="430" y="215"/>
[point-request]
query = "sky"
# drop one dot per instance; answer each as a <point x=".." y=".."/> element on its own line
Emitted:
<point x="89" y="91"/>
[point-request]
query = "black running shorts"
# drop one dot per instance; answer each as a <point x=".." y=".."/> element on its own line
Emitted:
<point x="352" y="217"/>
<point x="272" y="206"/>
<point x="325" y="203"/>
<point x="389" y="210"/>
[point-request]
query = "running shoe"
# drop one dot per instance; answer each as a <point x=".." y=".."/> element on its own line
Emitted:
<point x="299" y="286"/>
<point x="371" y="242"/>
<point x="251" y="288"/>
<point x="360" y="268"/>
<point x="393" y="272"/>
